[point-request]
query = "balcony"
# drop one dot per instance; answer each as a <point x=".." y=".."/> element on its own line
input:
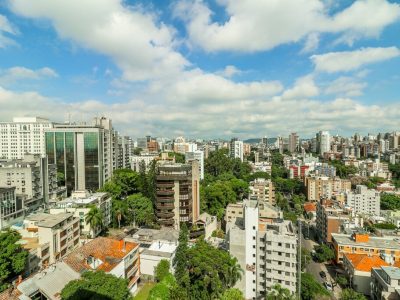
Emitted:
<point x="166" y="215"/>
<point x="165" y="206"/>
<point x="165" y="184"/>
<point x="166" y="222"/>
<point x="165" y="192"/>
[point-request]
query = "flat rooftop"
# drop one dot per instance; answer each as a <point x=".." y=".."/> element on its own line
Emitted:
<point x="160" y="249"/>
<point x="82" y="201"/>
<point x="373" y="242"/>
<point x="47" y="220"/>
<point x="393" y="272"/>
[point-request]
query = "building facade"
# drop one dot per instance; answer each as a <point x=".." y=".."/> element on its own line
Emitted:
<point x="11" y="207"/>
<point x="263" y="190"/>
<point x="236" y="149"/>
<point x="325" y="187"/>
<point x="23" y="135"/>
<point x="199" y="156"/>
<point x="178" y="193"/>
<point x="364" y="201"/>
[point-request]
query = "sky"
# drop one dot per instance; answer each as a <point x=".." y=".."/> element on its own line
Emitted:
<point x="204" y="69"/>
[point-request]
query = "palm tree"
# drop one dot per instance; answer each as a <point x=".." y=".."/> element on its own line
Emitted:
<point x="119" y="210"/>
<point x="279" y="293"/>
<point x="234" y="272"/>
<point x="94" y="218"/>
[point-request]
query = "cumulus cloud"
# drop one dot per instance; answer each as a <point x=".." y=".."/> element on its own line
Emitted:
<point x="304" y="87"/>
<point x="351" y="60"/>
<point x="14" y="74"/>
<point x="140" y="45"/>
<point x="256" y="25"/>
<point x="346" y="87"/>
<point x="229" y="71"/>
<point x="6" y="28"/>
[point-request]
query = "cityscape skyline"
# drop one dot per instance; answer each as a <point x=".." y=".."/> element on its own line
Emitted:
<point x="187" y="67"/>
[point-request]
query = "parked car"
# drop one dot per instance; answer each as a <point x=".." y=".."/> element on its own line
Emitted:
<point x="328" y="286"/>
<point x="322" y="274"/>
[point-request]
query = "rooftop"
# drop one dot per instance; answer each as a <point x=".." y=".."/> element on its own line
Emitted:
<point x="161" y="249"/>
<point x="50" y="281"/>
<point x="164" y="234"/>
<point x="373" y="242"/>
<point x="47" y="220"/>
<point x="108" y="253"/>
<point x="392" y="272"/>
<point x="364" y="263"/>
<point x="81" y="198"/>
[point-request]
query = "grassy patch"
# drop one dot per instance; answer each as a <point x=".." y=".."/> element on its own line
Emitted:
<point x="144" y="291"/>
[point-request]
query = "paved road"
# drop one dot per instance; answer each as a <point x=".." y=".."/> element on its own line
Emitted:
<point x="315" y="268"/>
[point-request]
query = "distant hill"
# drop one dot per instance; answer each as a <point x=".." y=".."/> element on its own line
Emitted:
<point x="257" y="140"/>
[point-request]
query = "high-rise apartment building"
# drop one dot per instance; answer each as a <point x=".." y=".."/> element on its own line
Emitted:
<point x="263" y="190"/>
<point x="23" y="135"/>
<point x="324" y="142"/>
<point x="267" y="251"/>
<point x="199" y="156"/>
<point x="324" y="187"/>
<point x="236" y="149"/>
<point x="293" y="142"/>
<point x="178" y="193"/>
<point x="364" y="201"/>
<point x="124" y="152"/>
<point x="85" y="155"/>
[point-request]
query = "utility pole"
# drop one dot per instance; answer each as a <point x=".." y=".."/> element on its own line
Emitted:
<point x="299" y="264"/>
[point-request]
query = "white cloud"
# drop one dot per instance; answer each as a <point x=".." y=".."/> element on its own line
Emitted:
<point x="346" y="87"/>
<point x="6" y="28"/>
<point x="312" y="42"/>
<point x="14" y="74"/>
<point x="256" y="25"/>
<point x="351" y="60"/>
<point x="140" y="45"/>
<point x="229" y="71"/>
<point x="304" y="87"/>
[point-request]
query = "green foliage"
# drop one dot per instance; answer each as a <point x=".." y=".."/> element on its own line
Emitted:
<point x="390" y="202"/>
<point x="162" y="270"/>
<point x="94" y="218"/>
<point x="232" y="294"/>
<point x="13" y="257"/>
<point x="291" y="216"/>
<point x="167" y="289"/>
<point x="388" y="226"/>
<point x="60" y="179"/>
<point x="179" y="158"/>
<point x="259" y="174"/>
<point x="311" y="289"/>
<point x="342" y="170"/>
<point x="180" y="260"/>
<point x="218" y="233"/>
<point x="119" y="212"/>
<point x="323" y="253"/>
<point x="137" y="151"/>
<point x="96" y="285"/>
<point x="219" y="163"/>
<point x="342" y="281"/>
<point x="280" y="293"/>
<point x="124" y="182"/>
<point x="350" y="294"/>
<point x="305" y="258"/>
<point x="211" y="271"/>
<point x="216" y="196"/>
<point x="140" y="209"/>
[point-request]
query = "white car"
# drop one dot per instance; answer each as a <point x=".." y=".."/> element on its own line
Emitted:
<point x="328" y="286"/>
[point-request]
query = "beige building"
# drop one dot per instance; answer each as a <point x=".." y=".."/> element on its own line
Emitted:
<point x="80" y="204"/>
<point x="263" y="190"/>
<point x="325" y="187"/>
<point x="61" y="232"/>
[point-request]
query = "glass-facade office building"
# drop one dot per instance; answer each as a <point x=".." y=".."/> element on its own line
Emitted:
<point x="78" y="154"/>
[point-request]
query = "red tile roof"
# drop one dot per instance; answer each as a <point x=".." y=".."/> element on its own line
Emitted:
<point x="364" y="263"/>
<point x="310" y="207"/>
<point x="108" y="250"/>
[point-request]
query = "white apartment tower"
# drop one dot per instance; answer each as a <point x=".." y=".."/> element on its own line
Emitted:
<point x="236" y="149"/>
<point x="23" y="135"/>
<point x="364" y="201"/>
<point x="199" y="156"/>
<point x="325" y="142"/>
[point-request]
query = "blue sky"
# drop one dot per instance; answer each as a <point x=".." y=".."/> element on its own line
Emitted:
<point x="216" y="68"/>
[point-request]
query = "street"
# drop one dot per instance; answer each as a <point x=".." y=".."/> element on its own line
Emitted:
<point x="315" y="268"/>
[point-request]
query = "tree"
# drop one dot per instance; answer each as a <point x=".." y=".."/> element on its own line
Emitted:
<point x="13" y="257"/>
<point x="120" y="211"/>
<point x="124" y="182"/>
<point x="232" y="294"/>
<point x="305" y="258"/>
<point x="234" y="272"/>
<point x="217" y="196"/>
<point x="342" y="281"/>
<point x="210" y="271"/>
<point x="95" y="219"/>
<point x="162" y="270"/>
<point x="323" y="253"/>
<point x="167" y="289"/>
<point x="180" y="259"/>
<point x="350" y="294"/>
<point x="142" y="209"/>
<point x="142" y="179"/>
<point x="60" y="179"/>
<point x="279" y="293"/>
<point x="218" y="163"/>
<point x="179" y="158"/>
<point x="96" y="285"/>
<point x="137" y="151"/>
<point x="390" y="202"/>
<point x="310" y="288"/>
